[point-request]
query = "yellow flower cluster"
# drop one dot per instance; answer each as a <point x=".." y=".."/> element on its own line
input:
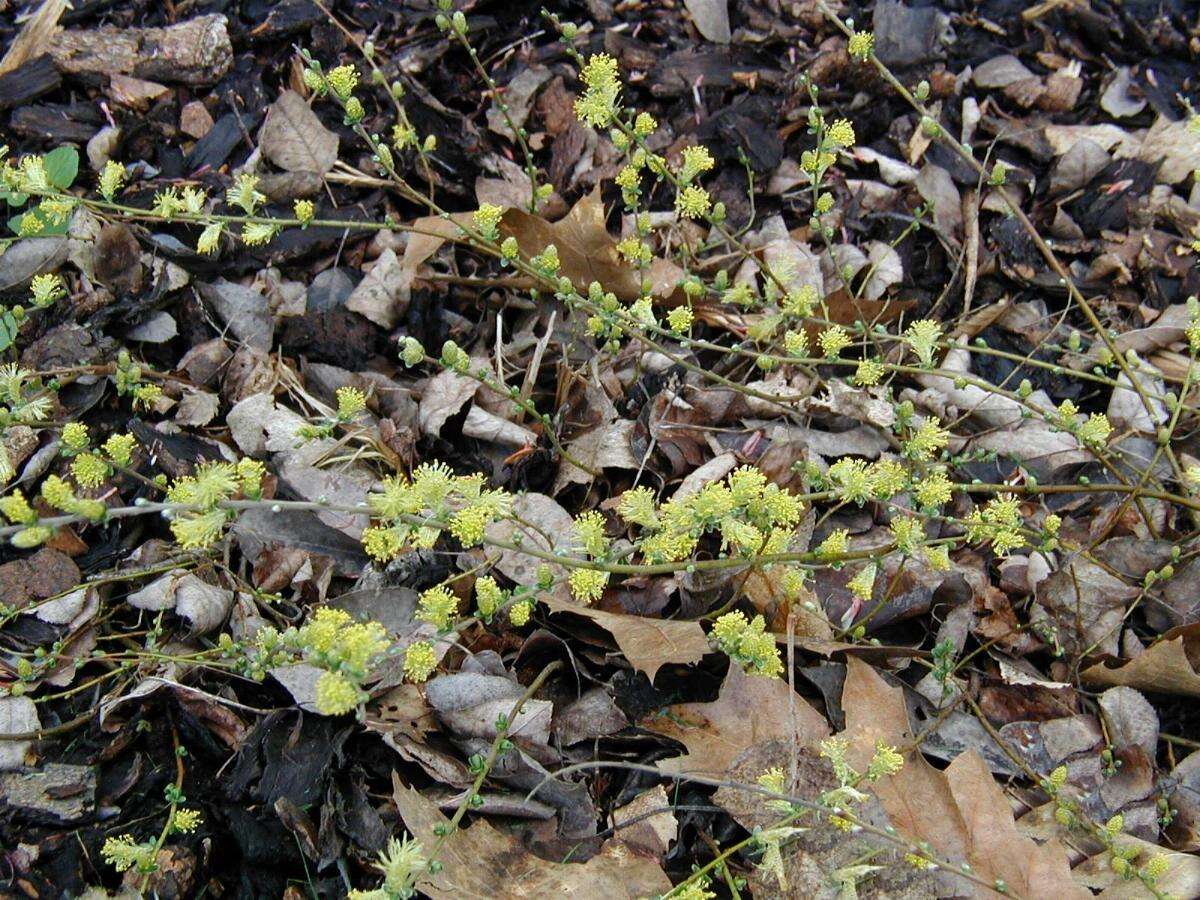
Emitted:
<point x="61" y="496"/>
<point x="692" y="202"/>
<point x="419" y="661"/>
<point x="747" y="643"/>
<point x="346" y="650"/>
<point x="862" y="585"/>
<point x="123" y="852"/>
<point x="680" y="319"/>
<point x="45" y="289"/>
<point x="438" y="498"/>
<point x="923" y="336"/>
<point x="111" y="179"/>
<point x="438" y="606"/>
<point x="927" y="441"/>
<point x="486" y="220"/>
<point x="752" y="516"/>
<point x="587" y="585"/>
<point x="861" y="45"/>
<point x="999" y="522"/>
<point x="186" y="820"/>
<point x="833" y="341"/>
<point x="841" y="133"/>
<point x="598" y="104"/>
<point x="856" y="481"/>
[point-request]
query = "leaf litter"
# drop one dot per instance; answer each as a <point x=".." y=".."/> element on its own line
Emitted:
<point x="1082" y="661"/>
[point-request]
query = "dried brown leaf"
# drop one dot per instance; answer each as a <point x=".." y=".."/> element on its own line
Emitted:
<point x="1165" y="667"/>
<point x="646" y="822"/>
<point x="749" y="710"/>
<point x="481" y="862"/>
<point x="917" y="799"/>
<point x="996" y="846"/>
<point x="443" y="397"/>
<point x="647" y="643"/>
<point x="18" y="715"/>
<point x="711" y="18"/>
<point x="1085" y="604"/>
<point x="604" y="447"/>
<point x="586" y="250"/>
<point x="294" y="139"/>
<point x="961" y="812"/>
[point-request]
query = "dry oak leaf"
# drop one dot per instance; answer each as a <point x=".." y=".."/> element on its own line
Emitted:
<point x="961" y="812"/>
<point x="765" y="590"/>
<point x="749" y="710"/>
<point x="587" y="251"/>
<point x="544" y="526"/>
<point x="482" y="862"/>
<point x="647" y="643"/>
<point x="1030" y="869"/>
<point x="1167" y="666"/>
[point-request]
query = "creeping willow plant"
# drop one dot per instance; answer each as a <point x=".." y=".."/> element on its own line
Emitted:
<point x="742" y="522"/>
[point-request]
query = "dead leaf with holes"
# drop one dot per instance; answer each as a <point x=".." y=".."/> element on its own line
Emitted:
<point x="604" y="447"/>
<point x="202" y="605"/>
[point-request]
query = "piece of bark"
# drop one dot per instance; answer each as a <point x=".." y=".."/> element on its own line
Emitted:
<point x="57" y="794"/>
<point x="35" y="35"/>
<point x="27" y="82"/>
<point x="75" y="123"/>
<point x="214" y="148"/>
<point x="195" y="120"/>
<point x="193" y="52"/>
<point x="286" y="18"/>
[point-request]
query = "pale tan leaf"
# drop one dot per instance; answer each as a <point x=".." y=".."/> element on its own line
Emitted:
<point x="203" y="606"/>
<point x="550" y="528"/>
<point x="996" y="846"/>
<point x="711" y="18"/>
<point x="961" y="813"/>
<point x="294" y="139"/>
<point x="485" y="426"/>
<point x="646" y="822"/>
<point x="18" y="715"/>
<point x="197" y="408"/>
<point x="443" y="397"/>
<point x="383" y="294"/>
<point x="604" y="447"/>
<point x="1171" y="143"/>
<point x="917" y="799"/>
<point x="765" y="591"/>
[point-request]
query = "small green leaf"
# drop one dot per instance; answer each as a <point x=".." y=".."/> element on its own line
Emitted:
<point x="12" y="198"/>
<point x="8" y="330"/>
<point x="62" y="165"/>
<point x="45" y="231"/>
